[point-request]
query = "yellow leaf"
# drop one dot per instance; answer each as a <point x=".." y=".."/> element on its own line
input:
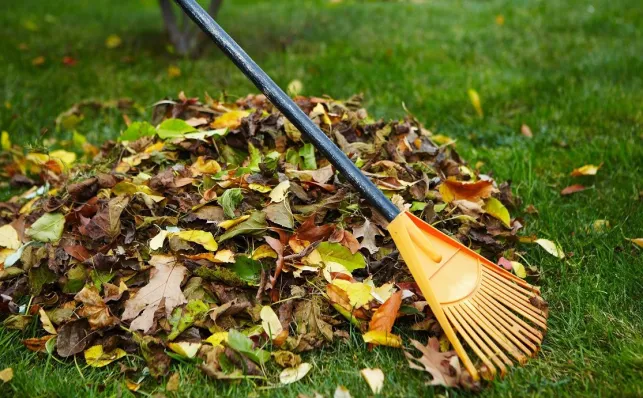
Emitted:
<point x="270" y="322"/>
<point x="383" y="292"/>
<point x="519" y="269"/>
<point x="5" y="141"/>
<point x="217" y="338"/>
<point x="496" y="209"/>
<point x="551" y="247"/>
<point x="295" y="87"/>
<point x="500" y="20"/>
<point x="157" y="147"/>
<point x="38" y="61"/>
<point x="381" y="337"/>
<point x="173" y="71"/>
<point x="132" y="386"/>
<point x="203" y="166"/>
<point x="9" y="237"/>
<point x="157" y="241"/>
<point x="128" y="188"/>
<point x="173" y="382"/>
<point x="227" y="224"/>
<point x="46" y="322"/>
<point x="359" y="294"/>
<point x="637" y="241"/>
<point x="231" y="119"/>
<point x="374" y="378"/>
<point x="113" y="41"/>
<point x="279" y="192"/>
<point x="6" y="375"/>
<point x="68" y="158"/>
<point x="259" y="187"/>
<point x="291" y="375"/>
<point x="264" y="251"/>
<point x="587" y="170"/>
<point x="319" y="110"/>
<point x="203" y="238"/>
<point x="97" y="358"/>
<point x="600" y="225"/>
<point x="475" y="101"/>
<point x="442" y="139"/>
<point x="185" y="349"/>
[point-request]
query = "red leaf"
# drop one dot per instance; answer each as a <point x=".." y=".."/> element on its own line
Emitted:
<point x="572" y="189"/>
<point x="312" y="233"/>
<point x="78" y="252"/>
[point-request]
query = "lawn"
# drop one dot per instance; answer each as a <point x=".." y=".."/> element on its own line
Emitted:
<point x="569" y="70"/>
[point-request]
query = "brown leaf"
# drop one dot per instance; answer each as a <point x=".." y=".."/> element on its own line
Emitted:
<point x="94" y="309"/>
<point x="572" y="189"/>
<point x="83" y="190"/>
<point x="78" y="252"/>
<point x="107" y="222"/>
<point x="73" y="338"/>
<point x="37" y="344"/>
<point x="526" y="131"/>
<point x="368" y="231"/>
<point x="451" y="190"/>
<point x="444" y="367"/>
<point x="312" y="233"/>
<point x="165" y="284"/>
<point x="345" y="238"/>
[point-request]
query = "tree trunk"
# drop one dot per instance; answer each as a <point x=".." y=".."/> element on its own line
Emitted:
<point x="188" y="38"/>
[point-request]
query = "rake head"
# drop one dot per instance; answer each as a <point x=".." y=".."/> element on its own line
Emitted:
<point x="498" y="315"/>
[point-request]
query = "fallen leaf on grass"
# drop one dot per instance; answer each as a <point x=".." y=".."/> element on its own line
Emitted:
<point x="526" y="131"/>
<point x="385" y="316"/>
<point x="6" y="375"/>
<point x="291" y="375"/>
<point x="637" y="241"/>
<point x="39" y="60"/>
<point x="474" y="97"/>
<point x="165" y="284"/>
<point x="46" y="322"/>
<point x="572" y="189"/>
<point x="185" y="349"/>
<point x="374" y="378"/>
<point x="444" y="367"/>
<point x="587" y="170"/>
<point x="113" y="41"/>
<point x="495" y="208"/>
<point x="97" y="358"/>
<point x="379" y="337"/>
<point x="173" y="71"/>
<point x="342" y="392"/>
<point x="601" y="225"/>
<point x="551" y="247"/>
<point x="173" y="382"/>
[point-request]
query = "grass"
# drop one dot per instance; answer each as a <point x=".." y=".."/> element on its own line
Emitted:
<point x="569" y="70"/>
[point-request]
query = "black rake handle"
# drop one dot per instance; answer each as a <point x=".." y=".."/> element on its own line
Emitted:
<point x="292" y="112"/>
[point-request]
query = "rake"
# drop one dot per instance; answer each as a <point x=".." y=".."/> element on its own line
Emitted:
<point x="497" y="314"/>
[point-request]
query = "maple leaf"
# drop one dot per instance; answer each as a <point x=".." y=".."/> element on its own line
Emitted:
<point x="94" y="309"/>
<point x="165" y="284"/>
<point x="451" y="190"/>
<point x="368" y="232"/>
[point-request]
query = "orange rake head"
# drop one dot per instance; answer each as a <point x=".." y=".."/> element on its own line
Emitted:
<point x="497" y="314"/>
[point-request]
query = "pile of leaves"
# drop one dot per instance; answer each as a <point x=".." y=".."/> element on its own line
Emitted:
<point x="217" y="234"/>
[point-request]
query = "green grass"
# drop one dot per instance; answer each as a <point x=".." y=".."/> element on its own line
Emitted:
<point x="570" y="70"/>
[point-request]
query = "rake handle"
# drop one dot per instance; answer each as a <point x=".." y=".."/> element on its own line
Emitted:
<point x="290" y="110"/>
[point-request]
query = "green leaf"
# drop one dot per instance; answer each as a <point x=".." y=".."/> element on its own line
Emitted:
<point x="255" y="157"/>
<point x="202" y="135"/>
<point x="307" y="153"/>
<point x="337" y="253"/>
<point x="417" y="206"/>
<point x="292" y="156"/>
<point x="230" y="199"/>
<point x="255" y="225"/>
<point x="232" y="156"/>
<point x="39" y="277"/>
<point x="183" y="318"/>
<point x="271" y="160"/>
<point x="75" y="279"/>
<point x="48" y="228"/>
<point x="172" y="128"/>
<point x="137" y="130"/>
<point x="496" y="209"/>
<point x="242" y="344"/>
<point x="247" y="269"/>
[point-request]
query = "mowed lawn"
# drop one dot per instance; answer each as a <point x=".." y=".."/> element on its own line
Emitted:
<point x="572" y="71"/>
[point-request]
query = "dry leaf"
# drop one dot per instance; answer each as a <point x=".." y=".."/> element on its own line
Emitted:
<point x="637" y="241"/>
<point x="551" y="247"/>
<point x="165" y="284"/>
<point x="291" y="375"/>
<point x="173" y="382"/>
<point x="342" y="392"/>
<point x="6" y="375"/>
<point x="97" y="358"/>
<point x="474" y="97"/>
<point x="587" y="170"/>
<point x="94" y="309"/>
<point x="374" y="378"/>
<point x="385" y="316"/>
<point x="444" y="367"/>
<point x="572" y="189"/>
<point x="526" y="131"/>
<point x="368" y="232"/>
<point x="270" y="322"/>
<point x="451" y="190"/>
